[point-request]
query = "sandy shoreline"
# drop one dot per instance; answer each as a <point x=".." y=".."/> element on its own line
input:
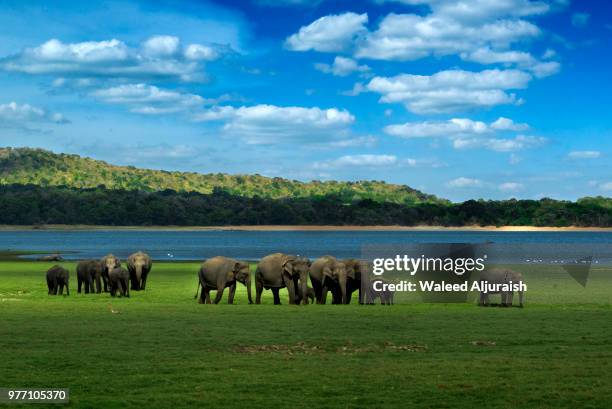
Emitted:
<point x="63" y="227"/>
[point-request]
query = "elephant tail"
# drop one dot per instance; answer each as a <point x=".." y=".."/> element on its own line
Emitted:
<point x="197" y="288"/>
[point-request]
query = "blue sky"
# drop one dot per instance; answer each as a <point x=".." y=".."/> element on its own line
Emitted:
<point x="462" y="99"/>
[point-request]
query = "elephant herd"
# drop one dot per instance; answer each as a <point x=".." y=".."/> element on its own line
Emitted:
<point x="91" y="274"/>
<point x="327" y="274"/>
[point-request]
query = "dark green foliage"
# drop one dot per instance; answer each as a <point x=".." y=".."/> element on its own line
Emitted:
<point x="33" y="205"/>
<point x="43" y="168"/>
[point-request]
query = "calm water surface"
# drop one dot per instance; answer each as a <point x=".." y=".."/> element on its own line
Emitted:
<point x="197" y="245"/>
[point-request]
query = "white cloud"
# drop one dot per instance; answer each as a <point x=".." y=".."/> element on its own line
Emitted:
<point x="331" y="33"/>
<point x="406" y="37"/>
<point x="580" y="19"/>
<point x="265" y="124"/>
<point x="517" y="143"/>
<point x="151" y="100"/>
<point x="373" y="161"/>
<point x="584" y="154"/>
<point x="199" y="52"/>
<point x="161" y="46"/>
<point x="14" y="114"/>
<point x="159" y="57"/>
<point x="519" y="59"/>
<point x="450" y="91"/>
<point x="342" y="67"/>
<point x="482" y="31"/>
<point x="506" y="124"/>
<point x="463" y="182"/>
<point x="469" y="134"/>
<point x="511" y="187"/>
<point x="482" y="9"/>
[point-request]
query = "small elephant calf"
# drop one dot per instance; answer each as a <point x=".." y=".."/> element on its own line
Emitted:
<point x="57" y="278"/>
<point x="386" y="296"/>
<point x="310" y="295"/>
<point x="119" y="279"/>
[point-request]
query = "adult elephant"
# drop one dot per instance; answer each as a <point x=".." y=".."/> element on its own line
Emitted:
<point x="327" y="273"/>
<point x="218" y="273"/>
<point x="57" y="279"/>
<point x="109" y="263"/>
<point x="139" y="264"/>
<point x="280" y="270"/>
<point x="89" y="274"/>
<point x="355" y="270"/>
<point x="503" y="277"/>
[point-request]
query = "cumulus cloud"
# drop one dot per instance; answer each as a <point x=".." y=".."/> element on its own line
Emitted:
<point x="469" y="134"/>
<point x="451" y="90"/>
<point x="331" y="33"/>
<point x="463" y="182"/>
<point x="20" y="115"/>
<point x="158" y="57"/>
<point x="342" y="67"/>
<point x="149" y="99"/>
<point x="519" y="59"/>
<point x="584" y="154"/>
<point x="481" y="31"/>
<point x="266" y="124"/>
<point x="606" y="186"/>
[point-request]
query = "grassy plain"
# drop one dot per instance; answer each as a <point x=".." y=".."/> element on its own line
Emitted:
<point x="160" y="349"/>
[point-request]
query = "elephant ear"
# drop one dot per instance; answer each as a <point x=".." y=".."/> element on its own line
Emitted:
<point x="350" y="272"/>
<point x="237" y="267"/>
<point x="288" y="267"/>
<point x="327" y="272"/>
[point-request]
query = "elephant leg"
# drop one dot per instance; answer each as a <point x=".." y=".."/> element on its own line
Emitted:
<point x="98" y="285"/>
<point x="316" y="287"/>
<point x="258" y="290"/>
<point x="276" y="296"/>
<point x="61" y="289"/>
<point x="105" y="280"/>
<point x="232" y="292"/>
<point x="80" y="283"/>
<point x="207" y="296"/>
<point x="144" y="282"/>
<point x="127" y="289"/>
<point x="520" y="299"/>
<point x="219" y="294"/>
<point x="323" y="294"/>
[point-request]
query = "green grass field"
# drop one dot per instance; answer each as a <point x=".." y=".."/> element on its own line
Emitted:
<point x="163" y="350"/>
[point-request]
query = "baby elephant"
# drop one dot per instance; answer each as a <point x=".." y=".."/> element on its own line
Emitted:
<point x="310" y="295"/>
<point x="57" y="278"/>
<point x="118" y="280"/>
<point x="385" y="295"/>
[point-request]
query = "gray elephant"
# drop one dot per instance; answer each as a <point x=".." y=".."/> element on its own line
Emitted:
<point x="57" y="279"/>
<point x="327" y="273"/>
<point x="139" y="264"/>
<point x="89" y="274"/>
<point x="109" y="263"/>
<point x="118" y="280"/>
<point x="375" y="290"/>
<point x="500" y="276"/>
<point x="279" y="270"/>
<point x="310" y="295"/>
<point x="218" y="273"/>
<point x="354" y="271"/>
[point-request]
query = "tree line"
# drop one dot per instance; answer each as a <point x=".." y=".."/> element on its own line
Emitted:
<point x="35" y="205"/>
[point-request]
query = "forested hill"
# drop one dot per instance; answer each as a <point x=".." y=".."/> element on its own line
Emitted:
<point x="46" y="169"/>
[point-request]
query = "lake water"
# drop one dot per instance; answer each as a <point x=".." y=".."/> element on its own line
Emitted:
<point x="250" y="245"/>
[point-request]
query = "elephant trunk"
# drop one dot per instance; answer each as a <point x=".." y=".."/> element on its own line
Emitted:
<point x="343" y="295"/>
<point x="138" y="271"/>
<point x="304" y="287"/>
